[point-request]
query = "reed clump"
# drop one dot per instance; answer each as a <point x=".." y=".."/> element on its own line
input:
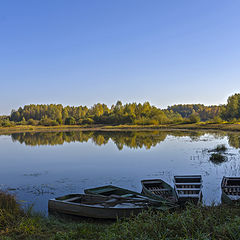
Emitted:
<point x="217" y="158"/>
<point x="221" y="148"/>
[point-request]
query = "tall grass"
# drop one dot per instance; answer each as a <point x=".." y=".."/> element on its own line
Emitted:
<point x="194" y="222"/>
<point x="8" y="202"/>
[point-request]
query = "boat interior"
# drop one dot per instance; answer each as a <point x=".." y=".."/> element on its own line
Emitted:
<point x="108" y="191"/>
<point x="158" y="189"/>
<point x="231" y="186"/>
<point x="111" y="201"/>
<point x="189" y="186"/>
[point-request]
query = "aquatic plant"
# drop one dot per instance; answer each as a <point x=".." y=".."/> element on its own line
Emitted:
<point x="217" y="158"/>
<point x="220" y="148"/>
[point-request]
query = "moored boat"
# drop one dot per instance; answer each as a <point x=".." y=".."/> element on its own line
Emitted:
<point x="230" y="189"/>
<point x="104" y="207"/>
<point x="188" y="188"/>
<point x="111" y="190"/>
<point x="159" y="190"/>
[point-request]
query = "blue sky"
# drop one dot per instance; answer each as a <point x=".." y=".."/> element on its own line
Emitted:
<point x="87" y="51"/>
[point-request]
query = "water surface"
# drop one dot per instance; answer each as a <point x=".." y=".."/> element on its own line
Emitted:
<point x="40" y="166"/>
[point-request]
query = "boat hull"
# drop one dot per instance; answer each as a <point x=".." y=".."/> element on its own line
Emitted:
<point x="92" y="212"/>
<point x="93" y="206"/>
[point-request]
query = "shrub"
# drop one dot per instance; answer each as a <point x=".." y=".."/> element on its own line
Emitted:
<point x="32" y="122"/>
<point x="87" y="121"/>
<point x="48" y="122"/>
<point x="194" y="118"/>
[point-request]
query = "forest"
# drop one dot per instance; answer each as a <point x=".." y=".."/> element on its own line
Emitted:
<point x="118" y="114"/>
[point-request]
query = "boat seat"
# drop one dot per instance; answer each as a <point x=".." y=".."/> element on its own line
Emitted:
<point x="128" y="195"/>
<point x="188" y="189"/>
<point x="99" y="191"/>
<point x="188" y="195"/>
<point x="72" y="199"/>
<point x="187" y="183"/>
<point x="163" y="190"/>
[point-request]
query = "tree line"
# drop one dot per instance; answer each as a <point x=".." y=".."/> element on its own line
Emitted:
<point x="130" y="113"/>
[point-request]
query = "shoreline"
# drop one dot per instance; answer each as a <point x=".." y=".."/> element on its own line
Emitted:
<point x="168" y="127"/>
<point x="193" y="222"/>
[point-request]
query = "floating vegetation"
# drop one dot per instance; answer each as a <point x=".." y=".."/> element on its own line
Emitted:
<point x="35" y="174"/>
<point x="218" y="158"/>
<point x="221" y="148"/>
<point x="37" y="189"/>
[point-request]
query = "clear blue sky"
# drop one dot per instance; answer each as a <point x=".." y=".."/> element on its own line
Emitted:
<point x="87" y="51"/>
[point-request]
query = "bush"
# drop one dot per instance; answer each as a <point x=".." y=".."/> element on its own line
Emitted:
<point x="216" y="120"/>
<point x="87" y="121"/>
<point x="32" y="122"/>
<point x="194" y="118"/>
<point x="7" y="123"/>
<point x="48" y="122"/>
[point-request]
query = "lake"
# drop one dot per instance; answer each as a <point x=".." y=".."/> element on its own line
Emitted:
<point x="39" y="166"/>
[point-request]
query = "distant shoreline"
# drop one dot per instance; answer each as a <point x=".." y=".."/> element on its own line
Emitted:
<point x="194" y="126"/>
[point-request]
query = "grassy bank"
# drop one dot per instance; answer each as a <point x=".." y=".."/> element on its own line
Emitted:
<point x="195" y="222"/>
<point x="193" y="126"/>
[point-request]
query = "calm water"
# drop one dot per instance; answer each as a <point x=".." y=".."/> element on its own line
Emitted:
<point x="40" y="166"/>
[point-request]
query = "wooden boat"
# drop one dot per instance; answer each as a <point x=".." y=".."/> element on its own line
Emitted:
<point x="111" y="190"/>
<point x="104" y="207"/>
<point x="188" y="188"/>
<point x="230" y="189"/>
<point x="159" y="190"/>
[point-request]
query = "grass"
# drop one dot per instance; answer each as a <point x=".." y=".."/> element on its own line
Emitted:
<point x="181" y="126"/>
<point x="195" y="222"/>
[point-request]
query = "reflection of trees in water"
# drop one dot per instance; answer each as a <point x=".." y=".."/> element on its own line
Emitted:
<point x="234" y="140"/>
<point x="51" y="138"/>
<point x="131" y="139"/>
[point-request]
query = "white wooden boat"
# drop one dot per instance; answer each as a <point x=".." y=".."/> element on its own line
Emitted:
<point x="188" y="188"/>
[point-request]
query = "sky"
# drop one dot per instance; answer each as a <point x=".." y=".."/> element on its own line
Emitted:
<point x="81" y="52"/>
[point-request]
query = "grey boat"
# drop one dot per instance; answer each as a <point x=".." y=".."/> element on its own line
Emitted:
<point x="104" y="207"/>
<point x="188" y="188"/>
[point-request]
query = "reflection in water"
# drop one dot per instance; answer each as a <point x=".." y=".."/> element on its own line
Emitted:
<point x="234" y="140"/>
<point x="131" y="139"/>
